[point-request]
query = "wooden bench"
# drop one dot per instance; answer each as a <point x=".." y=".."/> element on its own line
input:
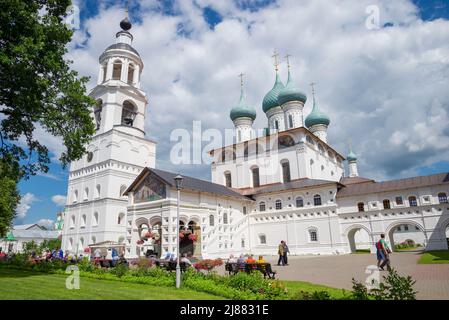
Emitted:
<point x="264" y="268"/>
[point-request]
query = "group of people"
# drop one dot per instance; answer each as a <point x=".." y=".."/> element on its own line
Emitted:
<point x="242" y="259"/>
<point x="283" y="252"/>
<point x="383" y="254"/>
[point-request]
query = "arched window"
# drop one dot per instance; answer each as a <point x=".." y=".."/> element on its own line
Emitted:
<point x="262" y="206"/>
<point x="244" y="210"/>
<point x="239" y="135"/>
<point x="130" y="73"/>
<point x="86" y="194"/>
<point x="225" y="218"/>
<point x="129" y="113"/>
<point x="98" y="191"/>
<point x="317" y="200"/>
<point x="72" y="222"/>
<point x="94" y="240"/>
<point x="117" y="70"/>
<point x="262" y="239"/>
<point x="228" y="179"/>
<point x="70" y="244"/>
<point x="122" y="190"/>
<point x="285" y="142"/>
<point x="211" y="220"/>
<point x="105" y="71"/>
<point x="321" y="149"/>
<point x="276" y="124"/>
<point x="442" y="197"/>
<point x="256" y="177"/>
<point x="121" y="239"/>
<point x="290" y="121"/>
<point x="120" y="218"/>
<point x="83" y="221"/>
<point x="278" y="204"/>
<point x="313" y="235"/>
<point x="310" y="140"/>
<point x="387" y="204"/>
<point x="286" y="171"/>
<point x="243" y="243"/>
<point x="81" y="244"/>
<point x="75" y="196"/>
<point x="95" y="219"/>
<point x="97" y="112"/>
<point x="361" y="206"/>
<point x="299" y="202"/>
<point x="413" y="202"/>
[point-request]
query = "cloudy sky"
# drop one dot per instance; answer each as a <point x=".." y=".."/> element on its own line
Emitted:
<point x="383" y="82"/>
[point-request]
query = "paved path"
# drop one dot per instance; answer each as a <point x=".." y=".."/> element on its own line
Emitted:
<point x="432" y="281"/>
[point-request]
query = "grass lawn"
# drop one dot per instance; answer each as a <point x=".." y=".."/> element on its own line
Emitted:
<point x="362" y="251"/>
<point x="296" y="286"/>
<point x="24" y="285"/>
<point x="434" y="257"/>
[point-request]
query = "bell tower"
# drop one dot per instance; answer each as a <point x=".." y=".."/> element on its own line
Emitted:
<point x="96" y="209"/>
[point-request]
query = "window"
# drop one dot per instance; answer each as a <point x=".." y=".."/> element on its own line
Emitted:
<point x="309" y="140"/>
<point x="313" y="235"/>
<point x="321" y="149"/>
<point x="86" y="194"/>
<point x="239" y="136"/>
<point x="120" y="218"/>
<point x="399" y="201"/>
<point x="98" y="191"/>
<point x="317" y="200"/>
<point x="286" y="171"/>
<point x="442" y="197"/>
<point x="117" y="70"/>
<point x="276" y="125"/>
<point x="211" y="220"/>
<point x="412" y="201"/>
<point x="70" y="244"/>
<point x="399" y="229"/>
<point x="129" y="113"/>
<point x="83" y="221"/>
<point x="72" y="222"/>
<point x="94" y="240"/>
<point x="81" y="243"/>
<point x="130" y="73"/>
<point x="225" y="218"/>
<point x="97" y="112"/>
<point x="228" y="179"/>
<point x="95" y="219"/>
<point x="299" y="202"/>
<point x="262" y="206"/>
<point x="387" y="204"/>
<point x="262" y="239"/>
<point x="105" y="69"/>
<point x="75" y="196"/>
<point x="122" y="190"/>
<point x="290" y="121"/>
<point x="361" y="206"/>
<point x="256" y="177"/>
<point x="278" y="204"/>
<point x="244" y="210"/>
<point x="406" y="228"/>
<point x="243" y="243"/>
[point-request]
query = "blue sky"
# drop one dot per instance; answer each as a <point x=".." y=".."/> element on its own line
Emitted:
<point x="45" y="187"/>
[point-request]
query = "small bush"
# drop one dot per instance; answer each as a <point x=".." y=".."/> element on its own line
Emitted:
<point x="316" y="295"/>
<point x="359" y="291"/>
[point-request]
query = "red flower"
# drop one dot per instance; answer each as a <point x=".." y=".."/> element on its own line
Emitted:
<point x="193" y="237"/>
<point x="181" y="235"/>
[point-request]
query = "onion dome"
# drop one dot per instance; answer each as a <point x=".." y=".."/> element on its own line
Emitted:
<point x="351" y="156"/>
<point x="270" y="100"/>
<point x="291" y="93"/>
<point x="242" y="110"/>
<point x="316" y="117"/>
<point x="125" y="24"/>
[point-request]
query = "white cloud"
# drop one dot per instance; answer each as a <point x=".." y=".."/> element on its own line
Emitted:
<point x="384" y="89"/>
<point x="59" y="200"/>
<point x="47" y="223"/>
<point x="25" y="204"/>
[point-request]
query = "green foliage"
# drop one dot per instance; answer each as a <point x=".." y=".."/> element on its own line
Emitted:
<point x="359" y="291"/>
<point x="120" y="270"/>
<point x="30" y="247"/>
<point x="315" y="295"/>
<point x="38" y="92"/>
<point x="51" y="244"/>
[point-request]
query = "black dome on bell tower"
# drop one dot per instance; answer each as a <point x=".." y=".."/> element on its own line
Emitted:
<point x="125" y="24"/>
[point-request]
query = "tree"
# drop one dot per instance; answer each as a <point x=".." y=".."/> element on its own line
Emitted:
<point x="38" y="91"/>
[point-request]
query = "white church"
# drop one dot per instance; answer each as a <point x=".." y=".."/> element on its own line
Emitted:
<point x="288" y="184"/>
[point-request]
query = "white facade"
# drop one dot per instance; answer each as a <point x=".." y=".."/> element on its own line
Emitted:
<point x="96" y="209"/>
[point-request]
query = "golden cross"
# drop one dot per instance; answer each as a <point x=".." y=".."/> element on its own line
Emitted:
<point x="276" y="60"/>
<point x="241" y="79"/>
<point x="287" y="57"/>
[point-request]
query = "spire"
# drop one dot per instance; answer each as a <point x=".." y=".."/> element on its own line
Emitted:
<point x="125" y="24"/>
<point x="351" y="155"/>
<point x="313" y="95"/>
<point x="276" y="60"/>
<point x="287" y="57"/>
<point x="242" y="110"/>
<point x="316" y="117"/>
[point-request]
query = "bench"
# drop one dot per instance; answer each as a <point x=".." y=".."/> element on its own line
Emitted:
<point x="264" y="268"/>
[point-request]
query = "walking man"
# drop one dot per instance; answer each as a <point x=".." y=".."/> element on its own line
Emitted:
<point x="281" y="253"/>
<point x="383" y="253"/>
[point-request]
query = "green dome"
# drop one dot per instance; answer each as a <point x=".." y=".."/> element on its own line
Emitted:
<point x="316" y="117"/>
<point x="242" y="110"/>
<point x="351" y="157"/>
<point x="271" y="98"/>
<point x="291" y="93"/>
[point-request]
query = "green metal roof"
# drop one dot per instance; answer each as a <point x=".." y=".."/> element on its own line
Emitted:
<point x="316" y="117"/>
<point x="290" y="92"/>
<point x="242" y="110"/>
<point x="270" y="100"/>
